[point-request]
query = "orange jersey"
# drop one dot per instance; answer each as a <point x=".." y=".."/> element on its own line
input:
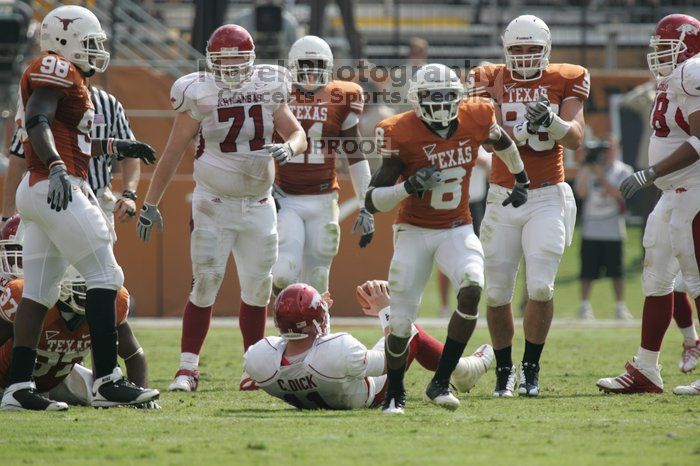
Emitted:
<point x="407" y="138"/>
<point x="73" y="119"/>
<point x="323" y="115"/>
<point x="542" y="155"/>
<point x="63" y="343"/>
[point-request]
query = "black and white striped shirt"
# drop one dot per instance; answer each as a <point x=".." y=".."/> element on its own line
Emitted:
<point x="110" y="122"/>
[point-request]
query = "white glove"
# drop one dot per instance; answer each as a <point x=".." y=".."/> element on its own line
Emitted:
<point x="280" y="152"/>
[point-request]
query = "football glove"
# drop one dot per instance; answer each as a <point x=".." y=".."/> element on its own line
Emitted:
<point x="280" y="152"/>
<point x="60" y="189"/>
<point x="539" y="113"/>
<point x="637" y="181"/>
<point x="365" y="223"/>
<point x="126" y="148"/>
<point x="423" y="180"/>
<point x="150" y="215"/>
<point x="518" y="196"/>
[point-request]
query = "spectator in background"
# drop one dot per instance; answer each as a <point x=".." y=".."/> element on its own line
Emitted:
<point x="603" y="219"/>
<point x="273" y="27"/>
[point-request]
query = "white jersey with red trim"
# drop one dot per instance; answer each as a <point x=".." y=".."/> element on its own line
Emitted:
<point x="332" y="375"/>
<point x="235" y="124"/>
<point x="677" y="97"/>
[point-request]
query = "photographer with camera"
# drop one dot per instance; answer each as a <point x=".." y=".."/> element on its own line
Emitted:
<point x="603" y="220"/>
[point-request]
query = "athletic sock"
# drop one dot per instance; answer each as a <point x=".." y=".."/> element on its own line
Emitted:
<point x="690" y="335"/>
<point x="504" y="357"/>
<point x="682" y="310"/>
<point x="428" y="350"/>
<point x="21" y="365"/>
<point x="101" y="315"/>
<point x="451" y="353"/>
<point x="394" y="379"/>
<point x="251" y="319"/>
<point x="532" y="353"/>
<point x="647" y="359"/>
<point x="189" y="361"/>
<point x="195" y="326"/>
<point x="656" y="317"/>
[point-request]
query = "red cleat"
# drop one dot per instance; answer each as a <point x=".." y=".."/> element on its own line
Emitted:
<point x="247" y="384"/>
<point x="634" y="380"/>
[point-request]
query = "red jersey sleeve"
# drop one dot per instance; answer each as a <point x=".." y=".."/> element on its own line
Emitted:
<point x="54" y="72"/>
<point x="355" y="98"/>
<point x="9" y="300"/>
<point x="480" y="82"/>
<point x="122" y="305"/>
<point x="484" y="117"/>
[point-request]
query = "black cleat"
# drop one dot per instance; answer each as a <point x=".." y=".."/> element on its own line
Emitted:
<point x="115" y="390"/>
<point x="505" y="382"/>
<point x="438" y="393"/>
<point x="394" y="402"/>
<point x="529" y="379"/>
<point x="24" y="397"/>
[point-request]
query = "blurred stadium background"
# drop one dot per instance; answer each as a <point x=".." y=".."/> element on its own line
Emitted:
<point x="154" y="42"/>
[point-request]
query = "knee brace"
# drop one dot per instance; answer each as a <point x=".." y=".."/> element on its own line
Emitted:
<point x="205" y="287"/>
<point x="468" y="302"/>
<point x="285" y="272"/>
<point x="255" y="291"/>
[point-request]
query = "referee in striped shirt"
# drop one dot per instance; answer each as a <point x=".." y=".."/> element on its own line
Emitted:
<point x="110" y="122"/>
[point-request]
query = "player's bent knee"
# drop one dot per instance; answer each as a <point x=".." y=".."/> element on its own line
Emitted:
<point x="653" y="285"/>
<point x="111" y="278"/>
<point x="255" y="291"/>
<point x="285" y="272"/>
<point x="400" y="325"/>
<point x="468" y="300"/>
<point x="205" y="287"/>
<point x="318" y="278"/>
<point x="330" y="241"/>
<point x="540" y="290"/>
<point x="498" y="295"/>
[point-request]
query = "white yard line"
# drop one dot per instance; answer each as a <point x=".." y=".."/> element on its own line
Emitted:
<point x="232" y="322"/>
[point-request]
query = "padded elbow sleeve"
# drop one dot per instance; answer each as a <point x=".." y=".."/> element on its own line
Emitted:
<point x="511" y="157"/>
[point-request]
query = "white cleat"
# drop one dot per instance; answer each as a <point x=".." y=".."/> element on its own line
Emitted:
<point x="689" y="357"/>
<point x="692" y="389"/>
<point x="470" y="369"/>
<point x="392" y="408"/>
<point x="185" y="381"/>
<point x="23" y="397"/>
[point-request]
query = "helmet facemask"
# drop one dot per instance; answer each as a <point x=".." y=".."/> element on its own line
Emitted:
<point x="11" y="259"/>
<point x="310" y="73"/>
<point x="93" y="55"/>
<point x="438" y="106"/>
<point x="230" y="66"/>
<point x="73" y="292"/>
<point x="664" y="57"/>
<point x="529" y="66"/>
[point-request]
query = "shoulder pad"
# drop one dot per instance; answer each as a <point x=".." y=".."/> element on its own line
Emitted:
<point x="332" y="355"/>
<point x="53" y="71"/>
<point x="689" y="77"/>
<point x="183" y="91"/>
<point x="569" y="71"/>
<point x="262" y="360"/>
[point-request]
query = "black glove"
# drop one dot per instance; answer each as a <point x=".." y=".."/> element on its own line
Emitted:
<point x="365" y="223"/>
<point x="518" y="196"/>
<point x="126" y="148"/>
<point x="60" y="189"/>
<point x="423" y="180"/>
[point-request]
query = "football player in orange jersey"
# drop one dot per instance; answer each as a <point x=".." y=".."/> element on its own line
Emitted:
<point x="433" y="150"/>
<point x="65" y="339"/>
<point x="63" y="222"/>
<point x="306" y="186"/>
<point x="541" y="106"/>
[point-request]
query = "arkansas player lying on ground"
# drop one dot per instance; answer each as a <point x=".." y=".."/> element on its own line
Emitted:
<point x="311" y="369"/>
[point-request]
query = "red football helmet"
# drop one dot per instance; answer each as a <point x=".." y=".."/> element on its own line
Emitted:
<point x="676" y="39"/>
<point x="230" y="54"/>
<point x="300" y="312"/>
<point x="11" y="239"/>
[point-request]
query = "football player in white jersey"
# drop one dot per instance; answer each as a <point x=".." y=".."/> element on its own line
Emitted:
<point x="672" y="236"/>
<point x="311" y="369"/>
<point x="233" y="110"/>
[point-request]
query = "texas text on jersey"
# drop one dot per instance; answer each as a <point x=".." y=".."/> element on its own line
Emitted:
<point x="73" y="119"/>
<point x="323" y="115"/>
<point x="542" y="155"/>
<point x="676" y="99"/>
<point x="332" y="375"/>
<point x="63" y="343"/>
<point x="407" y="138"/>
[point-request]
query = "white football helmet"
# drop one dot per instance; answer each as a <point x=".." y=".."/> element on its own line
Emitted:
<point x="527" y="30"/>
<point x="310" y="57"/>
<point x="73" y="290"/>
<point x="11" y="239"/>
<point x="75" y="33"/>
<point x="435" y="92"/>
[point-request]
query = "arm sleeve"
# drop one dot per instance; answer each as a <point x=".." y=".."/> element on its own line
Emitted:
<point x="355" y="357"/>
<point x="16" y="147"/>
<point x="578" y="83"/>
<point x="120" y="128"/>
<point x="376" y="363"/>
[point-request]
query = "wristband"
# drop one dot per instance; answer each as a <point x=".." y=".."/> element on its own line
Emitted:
<point x="695" y="142"/>
<point x="522" y="179"/>
<point x="129" y="194"/>
<point x="558" y="127"/>
<point x="55" y="161"/>
<point x="520" y="132"/>
<point x="384" y="317"/>
<point x="108" y="146"/>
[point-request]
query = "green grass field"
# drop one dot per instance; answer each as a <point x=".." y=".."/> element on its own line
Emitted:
<point x="570" y="424"/>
